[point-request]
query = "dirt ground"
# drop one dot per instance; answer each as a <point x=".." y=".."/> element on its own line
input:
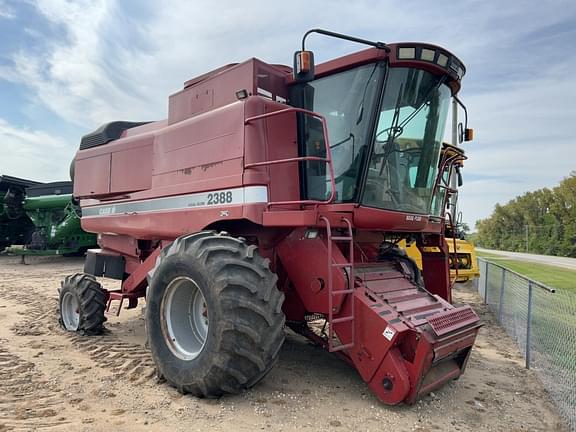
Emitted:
<point x="53" y="380"/>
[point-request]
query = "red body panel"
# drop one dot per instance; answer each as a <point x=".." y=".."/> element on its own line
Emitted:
<point x="141" y="178"/>
<point x="305" y="263"/>
<point x="94" y="174"/>
<point x="217" y="89"/>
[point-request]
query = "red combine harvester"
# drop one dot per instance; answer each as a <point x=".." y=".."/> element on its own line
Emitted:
<point x="274" y="196"/>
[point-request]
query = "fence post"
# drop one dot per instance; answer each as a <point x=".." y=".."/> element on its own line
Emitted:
<point x="529" y="324"/>
<point x="500" y="309"/>
<point x="486" y="282"/>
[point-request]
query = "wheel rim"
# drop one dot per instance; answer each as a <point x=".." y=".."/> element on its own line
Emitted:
<point x="70" y="310"/>
<point x="184" y="318"/>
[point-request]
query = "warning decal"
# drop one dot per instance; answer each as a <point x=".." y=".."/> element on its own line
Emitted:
<point x="389" y="333"/>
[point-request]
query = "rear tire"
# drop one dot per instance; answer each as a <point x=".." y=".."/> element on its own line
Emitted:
<point x="214" y="315"/>
<point x="82" y="304"/>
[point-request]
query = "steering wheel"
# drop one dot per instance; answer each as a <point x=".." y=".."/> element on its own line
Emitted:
<point x="394" y="131"/>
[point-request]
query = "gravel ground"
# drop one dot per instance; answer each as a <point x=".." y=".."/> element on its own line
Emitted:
<point x="53" y="380"/>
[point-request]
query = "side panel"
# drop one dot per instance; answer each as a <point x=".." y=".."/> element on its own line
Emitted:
<point x="213" y="92"/>
<point x="282" y="144"/>
<point x="306" y="265"/>
<point x="202" y="140"/>
<point x="92" y="176"/>
<point x="224" y="174"/>
<point x="137" y="162"/>
<point x="201" y="153"/>
<point x="435" y="266"/>
<point x="272" y="139"/>
<point x="170" y="217"/>
<point x="218" y="88"/>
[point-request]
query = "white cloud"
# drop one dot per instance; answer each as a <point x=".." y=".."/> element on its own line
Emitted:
<point x="112" y="66"/>
<point x="33" y="154"/>
<point x="70" y="80"/>
<point x="182" y="38"/>
<point x="524" y="140"/>
<point x="6" y="12"/>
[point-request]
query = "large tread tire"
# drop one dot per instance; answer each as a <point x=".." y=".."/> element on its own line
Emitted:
<point x="246" y="322"/>
<point x="91" y="299"/>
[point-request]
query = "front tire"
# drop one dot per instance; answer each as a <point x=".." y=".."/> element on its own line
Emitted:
<point x="82" y="304"/>
<point x="213" y="315"/>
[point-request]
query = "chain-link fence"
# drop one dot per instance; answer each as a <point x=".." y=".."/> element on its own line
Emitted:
<point x="542" y="321"/>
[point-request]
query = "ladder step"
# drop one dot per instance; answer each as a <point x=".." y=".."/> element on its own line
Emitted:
<point x="348" y="267"/>
<point x="342" y="319"/>
<point x="346" y="291"/>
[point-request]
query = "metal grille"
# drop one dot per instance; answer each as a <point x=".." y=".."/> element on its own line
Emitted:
<point x="542" y="321"/>
<point x="445" y="322"/>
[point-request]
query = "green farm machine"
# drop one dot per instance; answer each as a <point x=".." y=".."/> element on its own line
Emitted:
<point x="40" y="219"/>
<point x="15" y="225"/>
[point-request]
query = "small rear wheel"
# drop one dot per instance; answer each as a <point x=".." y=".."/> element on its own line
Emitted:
<point x="82" y="304"/>
<point x="213" y="315"/>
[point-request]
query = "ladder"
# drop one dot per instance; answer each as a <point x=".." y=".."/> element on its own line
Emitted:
<point x="348" y="267"/>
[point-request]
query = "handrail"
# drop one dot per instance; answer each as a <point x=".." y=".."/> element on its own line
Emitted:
<point x="539" y="284"/>
<point x="327" y="159"/>
<point x="281" y="161"/>
<point x="440" y="181"/>
<point x="284" y="111"/>
<point x="455" y="257"/>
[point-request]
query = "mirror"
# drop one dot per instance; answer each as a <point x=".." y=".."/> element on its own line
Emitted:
<point x="464" y="134"/>
<point x="303" y="66"/>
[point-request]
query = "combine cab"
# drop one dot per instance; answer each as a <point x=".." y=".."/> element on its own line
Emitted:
<point x="275" y="196"/>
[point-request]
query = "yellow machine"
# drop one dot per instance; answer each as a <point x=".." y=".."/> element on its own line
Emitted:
<point x="465" y="258"/>
<point x="467" y="263"/>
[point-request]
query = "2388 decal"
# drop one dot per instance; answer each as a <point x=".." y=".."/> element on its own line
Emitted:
<point x="219" y="198"/>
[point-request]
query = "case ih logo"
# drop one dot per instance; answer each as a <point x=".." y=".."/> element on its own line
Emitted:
<point x="107" y="210"/>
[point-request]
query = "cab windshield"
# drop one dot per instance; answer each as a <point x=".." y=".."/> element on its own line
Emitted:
<point x="393" y="167"/>
<point x="404" y="160"/>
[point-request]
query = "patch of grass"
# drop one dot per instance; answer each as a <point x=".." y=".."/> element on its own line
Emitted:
<point x="554" y="277"/>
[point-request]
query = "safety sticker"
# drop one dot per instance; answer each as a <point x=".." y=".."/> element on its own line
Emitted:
<point x="389" y="333"/>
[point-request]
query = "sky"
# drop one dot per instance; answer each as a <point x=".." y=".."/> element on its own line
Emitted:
<point x="66" y="67"/>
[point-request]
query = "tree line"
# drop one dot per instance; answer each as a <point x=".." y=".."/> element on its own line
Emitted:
<point x="541" y="222"/>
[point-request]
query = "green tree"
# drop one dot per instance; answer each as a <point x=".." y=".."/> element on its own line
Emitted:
<point x="543" y="221"/>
